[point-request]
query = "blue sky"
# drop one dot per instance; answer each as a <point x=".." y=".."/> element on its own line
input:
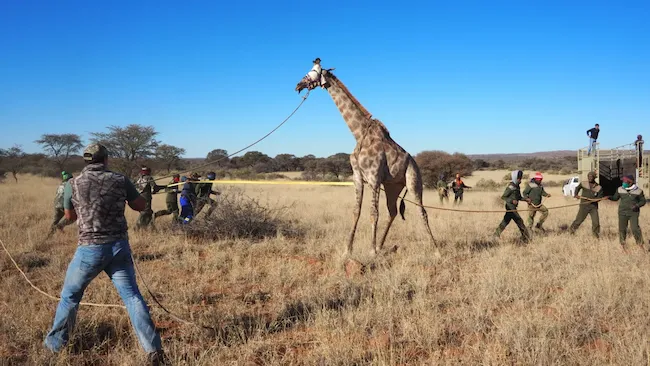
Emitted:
<point x="472" y="77"/>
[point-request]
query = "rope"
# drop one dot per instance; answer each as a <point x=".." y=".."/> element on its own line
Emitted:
<point x="155" y="299"/>
<point x="536" y="208"/>
<point x="45" y="293"/>
<point x="304" y="98"/>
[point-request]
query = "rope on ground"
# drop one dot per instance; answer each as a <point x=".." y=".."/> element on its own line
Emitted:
<point x="155" y="299"/>
<point x="45" y="293"/>
<point x="304" y="98"/>
<point x="56" y="298"/>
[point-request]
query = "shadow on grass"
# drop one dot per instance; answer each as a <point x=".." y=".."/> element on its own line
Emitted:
<point x="241" y="328"/>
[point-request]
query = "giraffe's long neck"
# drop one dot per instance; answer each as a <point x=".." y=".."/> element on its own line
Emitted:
<point x="354" y="114"/>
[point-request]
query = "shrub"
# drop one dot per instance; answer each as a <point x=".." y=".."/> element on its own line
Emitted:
<point x="273" y="176"/>
<point x="239" y="216"/>
<point x="554" y="183"/>
<point x="487" y="184"/>
<point x="508" y="177"/>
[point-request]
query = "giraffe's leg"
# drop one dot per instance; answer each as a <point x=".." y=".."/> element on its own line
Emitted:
<point x="358" y="189"/>
<point x="392" y="194"/>
<point x="374" y="214"/>
<point x="414" y="184"/>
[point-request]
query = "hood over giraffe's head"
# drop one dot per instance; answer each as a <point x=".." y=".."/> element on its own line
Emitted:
<point x="317" y="76"/>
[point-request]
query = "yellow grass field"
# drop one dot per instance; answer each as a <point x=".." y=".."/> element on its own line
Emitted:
<point x="559" y="300"/>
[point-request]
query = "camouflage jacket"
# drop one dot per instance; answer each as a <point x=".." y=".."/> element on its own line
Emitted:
<point x="630" y="200"/>
<point x="99" y="198"/>
<point x="512" y="193"/>
<point x="589" y="192"/>
<point x="203" y="189"/>
<point x="58" y="199"/>
<point x="535" y="192"/>
<point x="172" y="192"/>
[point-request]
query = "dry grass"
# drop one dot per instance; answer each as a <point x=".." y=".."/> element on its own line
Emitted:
<point x="558" y="300"/>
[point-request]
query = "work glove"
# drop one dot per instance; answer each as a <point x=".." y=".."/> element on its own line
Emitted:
<point x="635" y="208"/>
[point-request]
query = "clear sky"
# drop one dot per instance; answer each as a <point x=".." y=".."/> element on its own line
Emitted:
<point x="473" y="77"/>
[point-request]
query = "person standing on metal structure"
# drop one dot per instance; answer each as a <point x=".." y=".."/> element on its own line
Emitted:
<point x="593" y="136"/>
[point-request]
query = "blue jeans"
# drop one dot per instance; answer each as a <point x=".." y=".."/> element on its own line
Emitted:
<point x="592" y="145"/>
<point x="88" y="261"/>
<point x="187" y="210"/>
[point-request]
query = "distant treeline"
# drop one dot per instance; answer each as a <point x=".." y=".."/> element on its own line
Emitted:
<point x="135" y="145"/>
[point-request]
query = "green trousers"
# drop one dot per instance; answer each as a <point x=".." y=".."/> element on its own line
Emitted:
<point x="634" y="225"/>
<point x="146" y="216"/>
<point x="443" y="194"/>
<point x="585" y="210"/>
<point x="57" y="222"/>
<point x="172" y="209"/>
<point x="201" y="202"/>
<point x="513" y="216"/>
<point x="543" y="215"/>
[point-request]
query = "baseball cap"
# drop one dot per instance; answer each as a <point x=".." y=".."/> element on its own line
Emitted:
<point x="95" y="152"/>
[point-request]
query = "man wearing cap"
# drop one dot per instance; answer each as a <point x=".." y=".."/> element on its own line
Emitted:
<point x="147" y="187"/>
<point x="591" y="192"/>
<point x="203" y="192"/>
<point x="59" y="215"/>
<point x="97" y="199"/>
<point x="511" y="196"/>
<point x="171" y="199"/>
<point x="631" y="200"/>
<point x="535" y="191"/>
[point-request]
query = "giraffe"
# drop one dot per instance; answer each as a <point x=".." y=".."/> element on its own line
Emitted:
<point x="376" y="160"/>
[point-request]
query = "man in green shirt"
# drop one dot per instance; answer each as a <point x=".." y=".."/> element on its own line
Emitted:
<point x="591" y="193"/>
<point x="171" y="200"/>
<point x="59" y="220"/>
<point x="203" y="192"/>
<point x="631" y="199"/>
<point x="443" y="192"/>
<point x="535" y="191"/>
<point x="511" y="196"/>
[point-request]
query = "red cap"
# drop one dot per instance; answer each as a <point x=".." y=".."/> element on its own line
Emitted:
<point x="538" y="175"/>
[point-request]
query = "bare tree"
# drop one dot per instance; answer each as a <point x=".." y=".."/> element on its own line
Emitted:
<point x="13" y="160"/>
<point x="60" y="147"/>
<point x="128" y="145"/>
<point x="169" y="155"/>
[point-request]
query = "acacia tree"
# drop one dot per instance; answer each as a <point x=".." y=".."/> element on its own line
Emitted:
<point x="432" y="164"/>
<point x="169" y="155"/>
<point x="13" y="160"/>
<point x="60" y="147"/>
<point x="128" y="145"/>
<point x="219" y="157"/>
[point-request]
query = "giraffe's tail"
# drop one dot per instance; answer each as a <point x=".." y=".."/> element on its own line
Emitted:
<point x="402" y="205"/>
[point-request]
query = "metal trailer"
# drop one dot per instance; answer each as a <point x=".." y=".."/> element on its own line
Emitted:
<point x="611" y="165"/>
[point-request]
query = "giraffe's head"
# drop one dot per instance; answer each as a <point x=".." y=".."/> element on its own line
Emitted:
<point x="317" y="76"/>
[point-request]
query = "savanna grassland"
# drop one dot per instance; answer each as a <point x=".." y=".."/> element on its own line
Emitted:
<point x="288" y="299"/>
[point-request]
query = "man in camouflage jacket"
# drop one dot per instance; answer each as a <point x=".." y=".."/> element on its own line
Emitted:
<point x="591" y="193"/>
<point x="97" y="199"/>
<point x="511" y="196"/>
<point x="535" y="191"/>
<point x="631" y="199"/>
